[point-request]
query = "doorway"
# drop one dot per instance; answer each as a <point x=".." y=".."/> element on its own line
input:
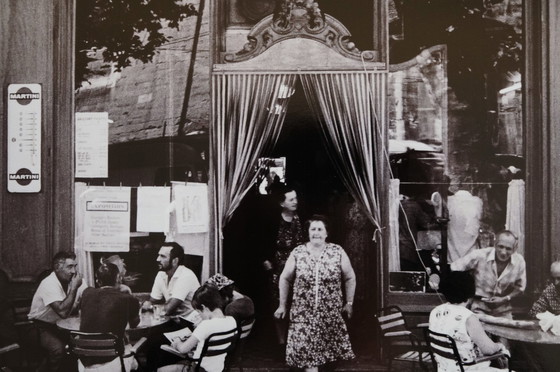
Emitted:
<point x="320" y="190"/>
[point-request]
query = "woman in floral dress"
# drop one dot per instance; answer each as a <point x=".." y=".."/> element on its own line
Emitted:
<point x="316" y="272"/>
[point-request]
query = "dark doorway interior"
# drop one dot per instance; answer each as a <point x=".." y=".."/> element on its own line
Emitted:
<point x="320" y="190"/>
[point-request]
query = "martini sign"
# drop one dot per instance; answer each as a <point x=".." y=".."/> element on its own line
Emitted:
<point x="24" y="138"/>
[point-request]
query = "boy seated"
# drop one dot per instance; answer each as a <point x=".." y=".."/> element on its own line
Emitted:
<point x="209" y="302"/>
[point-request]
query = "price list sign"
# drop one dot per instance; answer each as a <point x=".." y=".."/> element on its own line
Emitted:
<point x="24" y="138"/>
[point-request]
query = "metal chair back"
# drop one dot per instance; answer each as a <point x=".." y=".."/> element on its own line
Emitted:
<point x="97" y="347"/>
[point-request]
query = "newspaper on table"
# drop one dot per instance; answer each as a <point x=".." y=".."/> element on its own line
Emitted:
<point x="193" y="317"/>
<point x="181" y="334"/>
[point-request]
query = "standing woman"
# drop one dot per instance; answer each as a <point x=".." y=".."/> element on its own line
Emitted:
<point x="323" y="285"/>
<point x="287" y="234"/>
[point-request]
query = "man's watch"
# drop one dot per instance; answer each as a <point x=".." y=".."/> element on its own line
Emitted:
<point x="349" y="303"/>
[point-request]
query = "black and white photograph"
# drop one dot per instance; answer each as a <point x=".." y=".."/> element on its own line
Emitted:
<point x="279" y="185"/>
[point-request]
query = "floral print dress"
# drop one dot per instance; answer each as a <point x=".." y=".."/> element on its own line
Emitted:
<point x="317" y="332"/>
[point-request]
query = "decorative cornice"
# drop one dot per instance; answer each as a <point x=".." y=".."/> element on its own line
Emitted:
<point x="299" y="19"/>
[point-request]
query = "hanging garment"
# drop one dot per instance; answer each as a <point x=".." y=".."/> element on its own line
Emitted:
<point x="394" y="205"/>
<point x="515" y="214"/>
<point x="465" y="211"/>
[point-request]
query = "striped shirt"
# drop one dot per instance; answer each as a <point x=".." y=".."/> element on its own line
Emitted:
<point x="548" y="301"/>
<point x="482" y="263"/>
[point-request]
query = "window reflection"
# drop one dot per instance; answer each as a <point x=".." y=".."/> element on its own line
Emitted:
<point x="456" y="133"/>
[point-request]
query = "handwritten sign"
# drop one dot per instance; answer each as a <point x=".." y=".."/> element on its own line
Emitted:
<point x="92" y="144"/>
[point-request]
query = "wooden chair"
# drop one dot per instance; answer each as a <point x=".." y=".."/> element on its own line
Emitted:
<point x="444" y="346"/>
<point x="100" y="346"/>
<point x="220" y="343"/>
<point x="398" y="341"/>
<point x="236" y="357"/>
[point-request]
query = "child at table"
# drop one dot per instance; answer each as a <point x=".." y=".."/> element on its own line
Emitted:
<point x="208" y="301"/>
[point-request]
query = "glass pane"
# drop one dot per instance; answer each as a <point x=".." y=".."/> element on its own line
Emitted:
<point x="456" y="130"/>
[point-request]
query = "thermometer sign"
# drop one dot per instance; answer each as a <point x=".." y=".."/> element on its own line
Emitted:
<point x="24" y="138"/>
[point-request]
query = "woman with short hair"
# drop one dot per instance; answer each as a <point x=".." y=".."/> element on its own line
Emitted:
<point x="456" y="320"/>
<point x="323" y="284"/>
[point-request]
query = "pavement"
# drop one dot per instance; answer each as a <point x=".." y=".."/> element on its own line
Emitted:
<point x="261" y="353"/>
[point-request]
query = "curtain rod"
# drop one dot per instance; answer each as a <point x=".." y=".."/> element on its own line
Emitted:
<point x="299" y="72"/>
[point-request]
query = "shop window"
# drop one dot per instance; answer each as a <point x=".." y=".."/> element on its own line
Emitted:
<point x="456" y="142"/>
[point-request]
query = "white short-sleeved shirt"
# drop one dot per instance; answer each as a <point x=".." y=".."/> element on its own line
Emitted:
<point x="203" y="331"/>
<point x="182" y="286"/>
<point x="50" y="290"/>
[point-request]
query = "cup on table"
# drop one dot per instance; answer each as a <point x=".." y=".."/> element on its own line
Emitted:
<point x="159" y="312"/>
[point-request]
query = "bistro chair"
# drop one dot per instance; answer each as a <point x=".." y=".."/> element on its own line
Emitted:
<point x="5" y="352"/>
<point x="398" y="342"/>
<point x="95" y="348"/>
<point x="220" y="343"/>
<point x="236" y="357"/>
<point x="444" y="347"/>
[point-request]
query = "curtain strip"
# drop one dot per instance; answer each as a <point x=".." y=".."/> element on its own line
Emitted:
<point x="248" y="114"/>
<point x="350" y="107"/>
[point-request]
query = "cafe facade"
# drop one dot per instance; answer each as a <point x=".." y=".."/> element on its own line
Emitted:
<point x="368" y="105"/>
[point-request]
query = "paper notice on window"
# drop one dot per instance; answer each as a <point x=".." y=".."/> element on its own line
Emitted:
<point x="106" y="219"/>
<point x="153" y="209"/>
<point x="92" y="145"/>
<point x="191" y="207"/>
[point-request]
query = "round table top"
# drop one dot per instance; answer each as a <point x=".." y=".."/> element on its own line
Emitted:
<point x="531" y="335"/>
<point x="147" y="320"/>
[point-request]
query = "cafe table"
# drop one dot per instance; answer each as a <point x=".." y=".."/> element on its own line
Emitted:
<point x="147" y="320"/>
<point x="527" y="331"/>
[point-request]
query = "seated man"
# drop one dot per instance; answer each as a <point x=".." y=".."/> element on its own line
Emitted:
<point x="550" y="298"/>
<point x="174" y="286"/>
<point x="236" y="305"/>
<point x="455" y="320"/>
<point x="209" y="302"/>
<point x="56" y="298"/>
<point x="107" y="309"/>
<point x="499" y="274"/>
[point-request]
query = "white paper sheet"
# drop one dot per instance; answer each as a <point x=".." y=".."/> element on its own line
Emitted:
<point x="191" y="207"/>
<point x="92" y="145"/>
<point x="106" y="219"/>
<point x="153" y="209"/>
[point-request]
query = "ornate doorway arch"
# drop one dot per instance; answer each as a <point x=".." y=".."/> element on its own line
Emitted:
<point x="345" y="87"/>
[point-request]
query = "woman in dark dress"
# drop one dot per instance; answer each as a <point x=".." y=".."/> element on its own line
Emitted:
<point x="288" y="234"/>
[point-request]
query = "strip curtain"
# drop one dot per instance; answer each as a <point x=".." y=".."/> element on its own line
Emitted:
<point x="350" y="107"/>
<point x="248" y="112"/>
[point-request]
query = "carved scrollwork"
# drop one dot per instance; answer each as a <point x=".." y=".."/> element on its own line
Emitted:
<point x="299" y="18"/>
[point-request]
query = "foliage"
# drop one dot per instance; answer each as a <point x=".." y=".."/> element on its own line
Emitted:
<point x="124" y="30"/>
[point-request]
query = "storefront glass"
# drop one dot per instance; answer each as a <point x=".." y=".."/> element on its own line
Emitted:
<point x="455" y="133"/>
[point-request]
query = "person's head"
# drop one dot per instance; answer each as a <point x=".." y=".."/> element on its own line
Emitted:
<point x="318" y="228"/>
<point x="107" y="275"/>
<point x="207" y="299"/>
<point x="170" y="256"/>
<point x="117" y="261"/>
<point x="506" y="244"/>
<point x="287" y="198"/>
<point x="64" y="265"/>
<point x="555" y="274"/>
<point x="224" y="285"/>
<point x="457" y="286"/>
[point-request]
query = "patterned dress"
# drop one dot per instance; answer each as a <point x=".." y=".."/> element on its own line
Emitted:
<point x="289" y="235"/>
<point x="317" y="333"/>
